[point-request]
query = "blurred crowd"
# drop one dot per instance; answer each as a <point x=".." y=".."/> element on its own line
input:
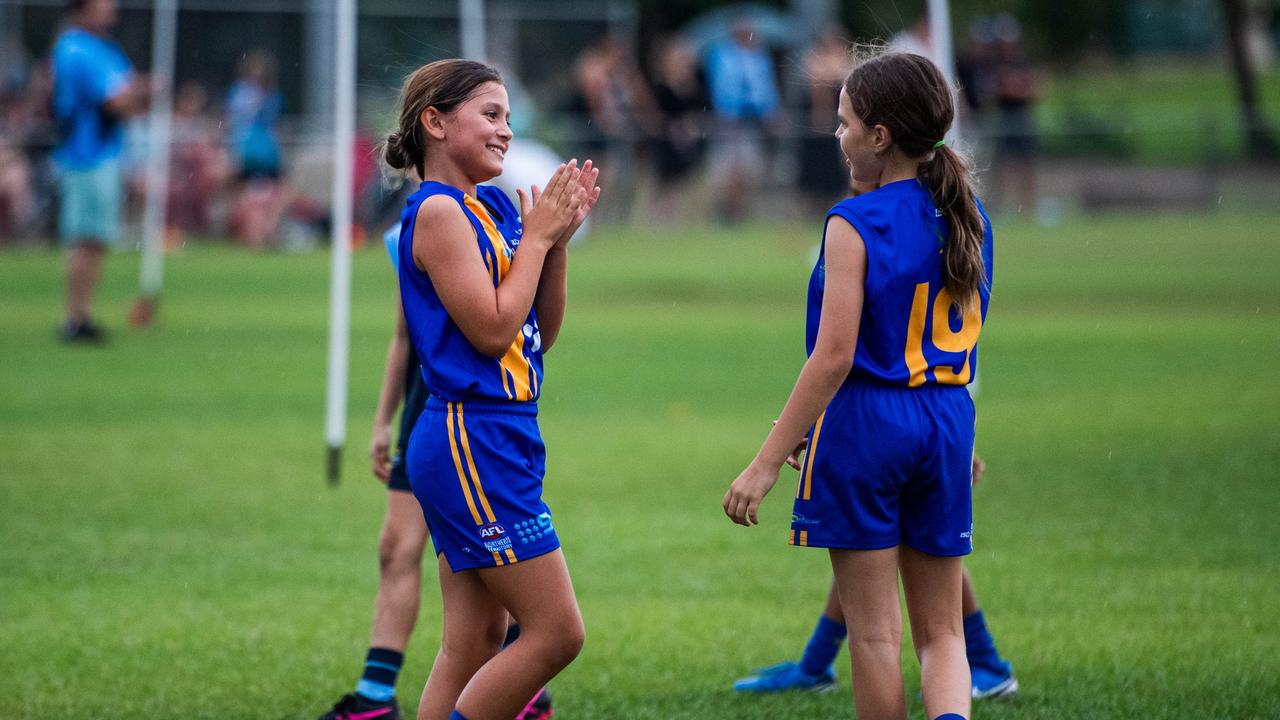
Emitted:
<point x="726" y="126"/>
<point x="227" y="165"/>
<point x="738" y="123"/>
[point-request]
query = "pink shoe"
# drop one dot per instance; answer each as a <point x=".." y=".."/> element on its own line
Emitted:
<point x="539" y="708"/>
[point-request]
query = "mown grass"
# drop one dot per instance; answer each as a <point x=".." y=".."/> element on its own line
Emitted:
<point x="168" y="547"/>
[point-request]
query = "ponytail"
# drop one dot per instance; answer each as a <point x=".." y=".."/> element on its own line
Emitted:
<point x="949" y="182"/>
<point x="909" y="95"/>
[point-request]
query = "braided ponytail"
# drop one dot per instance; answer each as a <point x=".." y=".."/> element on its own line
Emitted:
<point x="948" y="180"/>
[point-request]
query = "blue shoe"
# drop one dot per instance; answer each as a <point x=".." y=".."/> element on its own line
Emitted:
<point x="786" y="676"/>
<point x="993" y="681"/>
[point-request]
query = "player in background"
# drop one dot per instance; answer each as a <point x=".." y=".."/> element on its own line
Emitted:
<point x="483" y="290"/>
<point x="896" y="303"/>
<point x="94" y="91"/>
<point x="403" y="536"/>
<point x="992" y="676"/>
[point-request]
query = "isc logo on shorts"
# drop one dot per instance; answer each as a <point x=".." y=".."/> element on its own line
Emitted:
<point x="489" y="532"/>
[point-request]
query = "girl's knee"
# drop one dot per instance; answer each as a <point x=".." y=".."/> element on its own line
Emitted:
<point x="476" y="645"/>
<point x="575" y="635"/>
<point x="559" y="641"/>
<point x="399" y="551"/>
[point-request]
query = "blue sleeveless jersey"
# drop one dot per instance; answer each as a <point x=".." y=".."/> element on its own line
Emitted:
<point x="911" y="334"/>
<point x="452" y="368"/>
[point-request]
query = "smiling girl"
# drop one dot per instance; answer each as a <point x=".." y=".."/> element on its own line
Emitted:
<point x="896" y="303"/>
<point x="483" y="290"/>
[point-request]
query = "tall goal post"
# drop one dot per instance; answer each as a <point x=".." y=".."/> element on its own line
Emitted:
<point x="340" y="248"/>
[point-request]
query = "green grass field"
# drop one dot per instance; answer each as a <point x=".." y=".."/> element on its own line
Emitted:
<point x="169" y="549"/>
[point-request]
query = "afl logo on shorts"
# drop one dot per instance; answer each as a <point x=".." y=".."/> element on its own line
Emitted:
<point x="491" y="532"/>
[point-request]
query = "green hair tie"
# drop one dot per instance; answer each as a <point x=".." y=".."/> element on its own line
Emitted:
<point x="940" y="143"/>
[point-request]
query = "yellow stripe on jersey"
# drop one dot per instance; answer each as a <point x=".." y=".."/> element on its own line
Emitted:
<point x="517" y="364"/>
<point x="499" y="244"/>
<point x="916" y="364"/>
<point x="462" y="476"/>
<point x="497" y="559"/>
<point x="792" y="541"/>
<point x="808" y="475"/>
<point x="506" y="384"/>
<point x="804" y="538"/>
<point x="511" y="555"/>
<point x="513" y="361"/>
<point x="471" y="464"/>
<point x="488" y="265"/>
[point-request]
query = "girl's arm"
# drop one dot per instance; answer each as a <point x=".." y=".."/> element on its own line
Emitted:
<point x="390" y="396"/>
<point x="823" y="373"/>
<point x="444" y="246"/>
<point x="553" y="289"/>
<point x="553" y="294"/>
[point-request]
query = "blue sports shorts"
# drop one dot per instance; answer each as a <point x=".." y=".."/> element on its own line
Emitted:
<point x="889" y="466"/>
<point x="90" y="201"/>
<point x="476" y="468"/>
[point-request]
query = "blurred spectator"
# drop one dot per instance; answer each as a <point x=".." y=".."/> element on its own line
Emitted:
<point x="975" y="64"/>
<point x="17" y="124"/>
<point x="916" y="39"/>
<point x="744" y="95"/>
<point x="198" y="164"/>
<point x="825" y="175"/>
<point x="681" y="142"/>
<point x="621" y="115"/>
<point x="17" y="191"/>
<point x="1016" y="88"/>
<point x="254" y="106"/>
<point x="95" y="89"/>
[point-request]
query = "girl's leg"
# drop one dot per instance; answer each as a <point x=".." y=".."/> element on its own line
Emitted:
<point x="474" y="625"/>
<point x="539" y="595"/>
<point x="404" y="535"/>
<point x="823" y="646"/>
<point x="832" y="610"/>
<point x="933" y="588"/>
<point x="867" y="583"/>
<point x="992" y="675"/>
<point x="968" y="597"/>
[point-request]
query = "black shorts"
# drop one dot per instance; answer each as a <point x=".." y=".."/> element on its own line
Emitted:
<point x="399" y="479"/>
<point x="415" y="399"/>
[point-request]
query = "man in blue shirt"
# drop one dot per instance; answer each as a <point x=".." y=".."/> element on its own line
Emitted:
<point x="94" y="90"/>
<point x="744" y="96"/>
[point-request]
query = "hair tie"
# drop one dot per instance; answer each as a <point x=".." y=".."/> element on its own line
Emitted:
<point x="940" y="143"/>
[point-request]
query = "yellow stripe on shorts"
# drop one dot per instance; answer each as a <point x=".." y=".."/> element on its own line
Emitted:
<point x="462" y="475"/>
<point x="471" y="463"/>
<point x="813" y="448"/>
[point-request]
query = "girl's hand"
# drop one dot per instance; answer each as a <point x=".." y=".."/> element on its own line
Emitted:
<point x="587" y="182"/>
<point x="979" y="467"/>
<point x="380" y="452"/>
<point x="547" y="216"/>
<point x="742" y="502"/>
<point x="794" y="458"/>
